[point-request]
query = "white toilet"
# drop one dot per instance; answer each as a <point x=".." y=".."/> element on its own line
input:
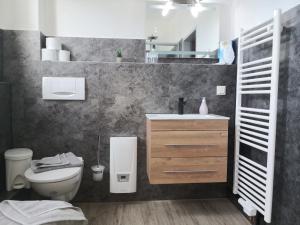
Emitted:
<point x="60" y="184"/>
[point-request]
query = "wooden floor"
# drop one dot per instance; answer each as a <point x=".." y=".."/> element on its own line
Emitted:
<point x="183" y="212"/>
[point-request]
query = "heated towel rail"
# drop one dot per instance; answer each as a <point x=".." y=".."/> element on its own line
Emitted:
<point x="256" y="127"/>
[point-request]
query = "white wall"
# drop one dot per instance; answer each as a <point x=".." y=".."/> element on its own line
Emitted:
<point x="93" y="18"/>
<point x="249" y="13"/>
<point x="226" y="15"/>
<point x="19" y="14"/>
<point x="120" y="18"/>
<point x="47" y="18"/>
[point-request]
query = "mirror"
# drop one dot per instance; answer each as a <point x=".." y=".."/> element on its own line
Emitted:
<point x="182" y="29"/>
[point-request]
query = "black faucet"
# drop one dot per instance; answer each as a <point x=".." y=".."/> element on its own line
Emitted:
<point x="181" y="104"/>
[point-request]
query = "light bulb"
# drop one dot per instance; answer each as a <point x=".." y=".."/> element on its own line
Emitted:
<point x="165" y="12"/>
<point x="167" y="7"/>
<point x="194" y="12"/>
<point x="196" y="9"/>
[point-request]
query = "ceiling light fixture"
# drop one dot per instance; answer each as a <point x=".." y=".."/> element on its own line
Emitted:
<point x="167" y="7"/>
<point x="197" y="8"/>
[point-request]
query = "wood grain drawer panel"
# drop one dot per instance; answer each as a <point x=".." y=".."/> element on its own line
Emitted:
<point x="188" y="170"/>
<point x="188" y="143"/>
<point x="157" y="125"/>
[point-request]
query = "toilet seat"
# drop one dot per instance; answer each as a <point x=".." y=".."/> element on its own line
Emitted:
<point x="53" y="175"/>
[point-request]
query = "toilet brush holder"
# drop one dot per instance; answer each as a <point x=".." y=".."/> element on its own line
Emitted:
<point x="98" y="172"/>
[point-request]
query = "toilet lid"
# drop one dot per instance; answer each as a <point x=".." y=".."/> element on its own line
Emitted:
<point x="53" y="175"/>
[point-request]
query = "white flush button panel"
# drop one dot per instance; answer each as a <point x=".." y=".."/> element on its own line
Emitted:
<point x="64" y="88"/>
<point x="221" y="90"/>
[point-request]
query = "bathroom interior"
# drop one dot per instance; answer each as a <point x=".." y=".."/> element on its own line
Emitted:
<point x="149" y="112"/>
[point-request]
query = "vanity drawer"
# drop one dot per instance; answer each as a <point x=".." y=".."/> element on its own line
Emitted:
<point x="157" y="125"/>
<point x="188" y="170"/>
<point x="188" y="143"/>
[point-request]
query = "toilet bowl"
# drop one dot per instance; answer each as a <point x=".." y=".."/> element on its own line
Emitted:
<point x="60" y="184"/>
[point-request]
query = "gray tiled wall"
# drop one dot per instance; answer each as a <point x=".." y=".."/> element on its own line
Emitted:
<point x="287" y="163"/>
<point x="118" y="96"/>
<point x="5" y="119"/>
<point x="104" y="49"/>
<point x="1" y="53"/>
<point x="5" y="130"/>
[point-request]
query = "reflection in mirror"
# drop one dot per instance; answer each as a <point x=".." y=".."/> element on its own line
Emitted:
<point x="182" y="29"/>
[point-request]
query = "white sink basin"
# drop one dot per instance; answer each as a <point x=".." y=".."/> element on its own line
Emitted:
<point x="185" y="117"/>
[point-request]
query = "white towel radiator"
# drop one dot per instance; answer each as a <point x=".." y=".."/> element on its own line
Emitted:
<point x="256" y="127"/>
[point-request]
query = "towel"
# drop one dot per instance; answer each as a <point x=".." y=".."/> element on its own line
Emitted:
<point x="50" y="160"/>
<point x="54" y="161"/>
<point x="65" y="160"/>
<point x="38" y="212"/>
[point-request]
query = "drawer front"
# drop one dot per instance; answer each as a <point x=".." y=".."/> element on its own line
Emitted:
<point x="188" y="170"/>
<point x="188" y="143"/>
<point x="157" y="125"/>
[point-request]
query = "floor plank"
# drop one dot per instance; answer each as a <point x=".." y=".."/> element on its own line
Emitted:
<point x="170" y="212"/>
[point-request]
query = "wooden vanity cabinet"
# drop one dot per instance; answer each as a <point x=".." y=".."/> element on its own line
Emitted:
<point x="187" y="151"/>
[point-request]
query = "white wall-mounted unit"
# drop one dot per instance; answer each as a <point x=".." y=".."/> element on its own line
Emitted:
<point x="256" y="127"/>
<point x="123" y="164"/>
<point x="64" y="88"/>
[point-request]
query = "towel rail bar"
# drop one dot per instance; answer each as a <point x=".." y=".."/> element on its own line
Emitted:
<point x="242" y="130"/>
<point x="254" y="116"/>
<point x="256" y="80"/>
<point x="253" y="169"/>
<point x="253" y="163"/>
<point x="258" y="178"/>
<point x="254" y="38"/>
<point x="266" y="111"/>
<point x="267" y="59"/>
<point x="255" y="30"/>
<point x="257" y="43"/>
<point x="255" y="74"/>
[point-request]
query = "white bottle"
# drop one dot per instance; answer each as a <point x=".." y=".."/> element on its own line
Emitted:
<point x="203" y="110"/>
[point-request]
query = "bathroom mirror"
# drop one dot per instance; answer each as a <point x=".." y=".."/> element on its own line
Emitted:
<point x="182" y="28"/>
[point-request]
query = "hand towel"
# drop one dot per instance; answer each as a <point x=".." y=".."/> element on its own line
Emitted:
<point x="68" y="160"/>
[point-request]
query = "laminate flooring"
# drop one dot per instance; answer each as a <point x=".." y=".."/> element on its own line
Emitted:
<point x="169" y="212"/>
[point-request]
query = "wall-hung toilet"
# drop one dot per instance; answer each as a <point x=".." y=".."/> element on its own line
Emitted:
<point x="59" y="184"/>
<point x="17" y="161"/>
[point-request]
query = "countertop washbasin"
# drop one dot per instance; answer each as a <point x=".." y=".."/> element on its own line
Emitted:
<point x="185" y="117"/>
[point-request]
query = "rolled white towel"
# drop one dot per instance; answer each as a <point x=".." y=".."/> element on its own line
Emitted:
<point x="49" y="54"/>
<point x="53" y="43"/>
<point x="64" y="55"/>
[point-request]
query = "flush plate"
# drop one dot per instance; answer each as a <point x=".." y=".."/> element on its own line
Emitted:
<point x="64" y="88"/>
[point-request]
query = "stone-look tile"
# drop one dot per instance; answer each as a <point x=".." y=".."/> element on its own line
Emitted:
<point x="118" y="96"/>
<point x="104" y="49"/>
<point x="21" y="45"/>
<point x="287" y="175"/>
<point x="1" y="55"/>
<point x="21" y="68"/>
<point x="5" y="131"/>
